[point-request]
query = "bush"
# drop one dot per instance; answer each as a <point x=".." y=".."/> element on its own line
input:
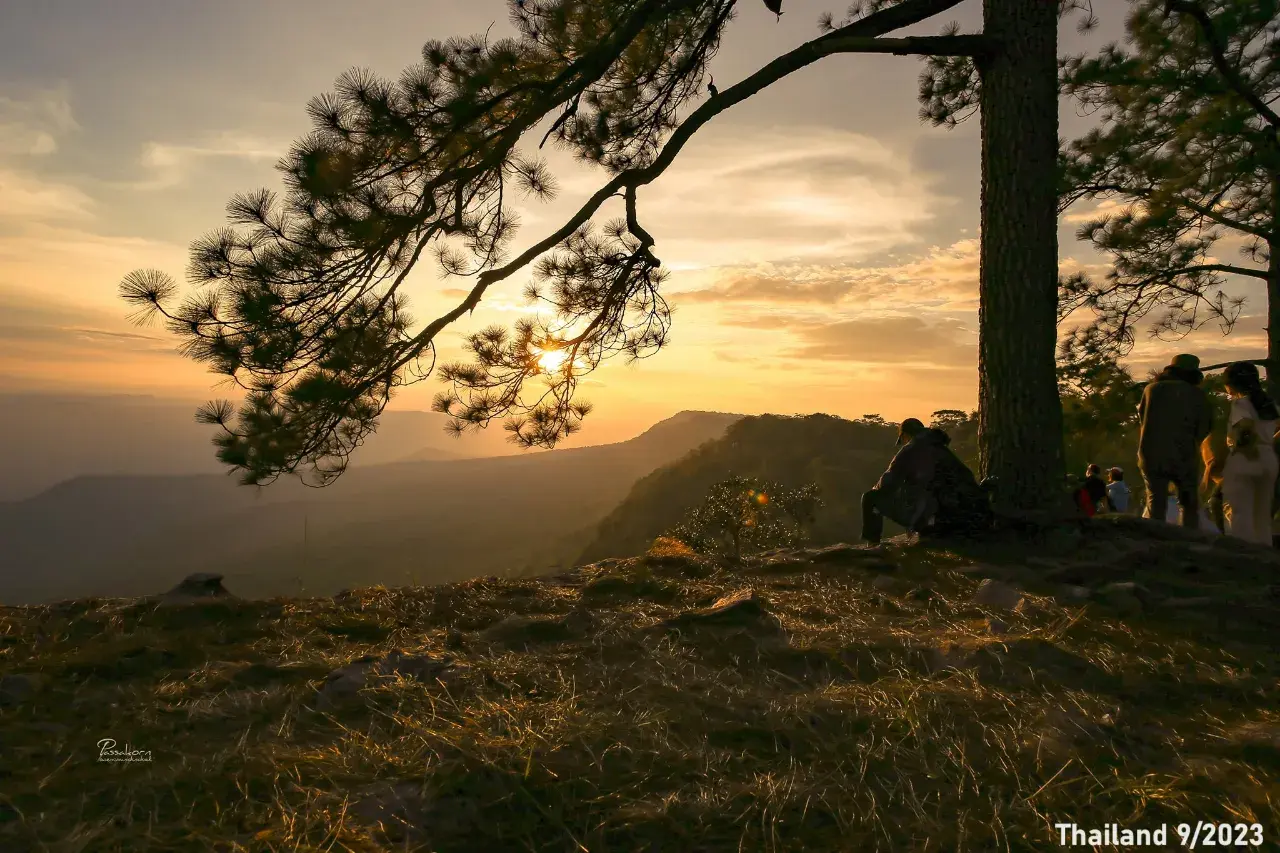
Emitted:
<point x="742" y="516"/>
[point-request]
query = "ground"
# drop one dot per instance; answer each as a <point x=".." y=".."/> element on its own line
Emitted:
<point x="921" y="697"/>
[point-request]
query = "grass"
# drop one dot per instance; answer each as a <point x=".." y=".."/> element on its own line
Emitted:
<point x="829" y="715"/>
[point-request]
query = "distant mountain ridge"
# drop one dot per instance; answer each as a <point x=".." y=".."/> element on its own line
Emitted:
<point x="48" y="438"/>
<point x="407" y="522"/>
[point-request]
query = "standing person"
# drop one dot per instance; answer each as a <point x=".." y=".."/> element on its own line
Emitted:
<point x="1117" y="491"/>
<point x="1175" y="416"/>
<point x="1095" y="488"/>
<point x="1249" y="475"/>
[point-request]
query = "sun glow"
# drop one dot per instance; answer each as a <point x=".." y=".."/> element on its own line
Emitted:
<point x="552" y="360"/>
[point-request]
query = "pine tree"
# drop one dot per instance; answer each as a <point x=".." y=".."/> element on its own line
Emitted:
<point x="1189" y="149"/>
<point x="302" y="304"/>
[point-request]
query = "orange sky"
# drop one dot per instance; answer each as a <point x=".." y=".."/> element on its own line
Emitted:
<point x="823" y="242"/>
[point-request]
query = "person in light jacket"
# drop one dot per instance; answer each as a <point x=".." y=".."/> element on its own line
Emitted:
<point x="1249" y="475"/>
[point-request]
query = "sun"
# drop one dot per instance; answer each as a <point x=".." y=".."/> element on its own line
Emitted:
<point x="552" y="360"/>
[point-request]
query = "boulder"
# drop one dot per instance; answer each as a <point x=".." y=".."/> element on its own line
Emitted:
<point x="886" y="583"/>
<point x="424" y="668"/>
<point x="1070" y="594"/>
<point x="348" y="680"/>
<point x="993" y="593"/>
<point x="744" y="609"/>
<point x="198" y="588"/>
<point x="345" y="681"/>
<point x="519" y="631"/>
<point x="949" y="657"/>
<point x="405" y="812"/>
<point x="17" y="688"/>
<point x="866" y="555"/>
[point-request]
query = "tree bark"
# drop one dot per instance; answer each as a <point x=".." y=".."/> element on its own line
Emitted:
<point x="1020" y="413"/>
<point x="1273" y="293"/>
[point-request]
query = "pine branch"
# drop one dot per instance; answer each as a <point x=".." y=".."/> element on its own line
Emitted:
<point x="1219" y="51"/>
<point x="1094" y="190"/>
<point x="886" y="21"/>
<point x="957" y="45"/>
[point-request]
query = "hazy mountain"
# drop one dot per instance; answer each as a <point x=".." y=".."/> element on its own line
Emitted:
<point x="45" y="439"/>
<point x="406" y="522"/>
<point x="845" y="458"/>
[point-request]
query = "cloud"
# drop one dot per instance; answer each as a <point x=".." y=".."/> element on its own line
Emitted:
<point x="898" y="341"/>
<point x="742" y="195"/>
<point x="26" y="197"/>
<point x="172" y="164"/>
<point x="30" y="126"/>
<point x="939" y="278"/>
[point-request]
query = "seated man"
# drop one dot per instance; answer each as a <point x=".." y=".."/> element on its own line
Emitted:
<point x="927" y="489"/>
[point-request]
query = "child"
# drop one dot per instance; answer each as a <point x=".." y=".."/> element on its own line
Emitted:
<point x="1096" y="489"/>
<point x="1117" y="491"/>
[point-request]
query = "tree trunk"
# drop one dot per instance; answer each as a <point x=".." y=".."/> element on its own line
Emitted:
<point x="1020" y="414"/>
<point x="1273" y="293"/>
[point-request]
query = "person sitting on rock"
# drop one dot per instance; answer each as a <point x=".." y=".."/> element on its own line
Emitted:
<point x="1095" y="488"/>
<point x="926" y="489"/>
<point x="1117" y="492"/>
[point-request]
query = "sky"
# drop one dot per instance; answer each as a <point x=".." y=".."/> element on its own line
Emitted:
<point x="822" y="240"/>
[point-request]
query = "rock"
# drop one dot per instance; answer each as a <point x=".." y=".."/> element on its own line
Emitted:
<point x="745" y="608"/>
<point x="348" y="680"/>
<point x="1037" y="661"/>
<point x="849" y="554"/>
<point x="783" y="564"/>
<point x="17" y="688"/>
<point x="1137" y="590"/>
<point x="424" y="668"/>
<point x="1063" y="539"/>
<point x="947" y="657"/>
<point x="886" y="583"/>
<point x="519" y="631"/>
<point x="993" y="593"/>
<point x="997" y="626"/>
<point x="1198" y="601"/>
<point x="407" y="813"/>
<point x="200" y="584"/>
<point x="922" y="593"/>
<point x="345" y="681"/>
<point x="1127" y="604"/>
<point x="196" y="589"/>
<point x="1072" y="594"/>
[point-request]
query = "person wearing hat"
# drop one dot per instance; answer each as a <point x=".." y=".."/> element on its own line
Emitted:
<point x="1175" y="416"/>
<point x="926" y="489"/>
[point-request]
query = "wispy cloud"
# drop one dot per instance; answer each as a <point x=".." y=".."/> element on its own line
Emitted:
<point x="171" y="164"/>
<point x="31" y="124"/>
<point x="941" y="277"/>
<point x="27" y="197"/>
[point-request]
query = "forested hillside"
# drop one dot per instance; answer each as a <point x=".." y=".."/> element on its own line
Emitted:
<point x="844" y="458"/>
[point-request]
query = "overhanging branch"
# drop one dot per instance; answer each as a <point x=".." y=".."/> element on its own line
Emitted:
<point x="861" y="31"/>
<point x="966" y="45"/>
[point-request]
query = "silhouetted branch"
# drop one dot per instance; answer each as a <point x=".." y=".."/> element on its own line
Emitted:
<point x="888" y="20"/>
<point x="1219" y="52"/>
